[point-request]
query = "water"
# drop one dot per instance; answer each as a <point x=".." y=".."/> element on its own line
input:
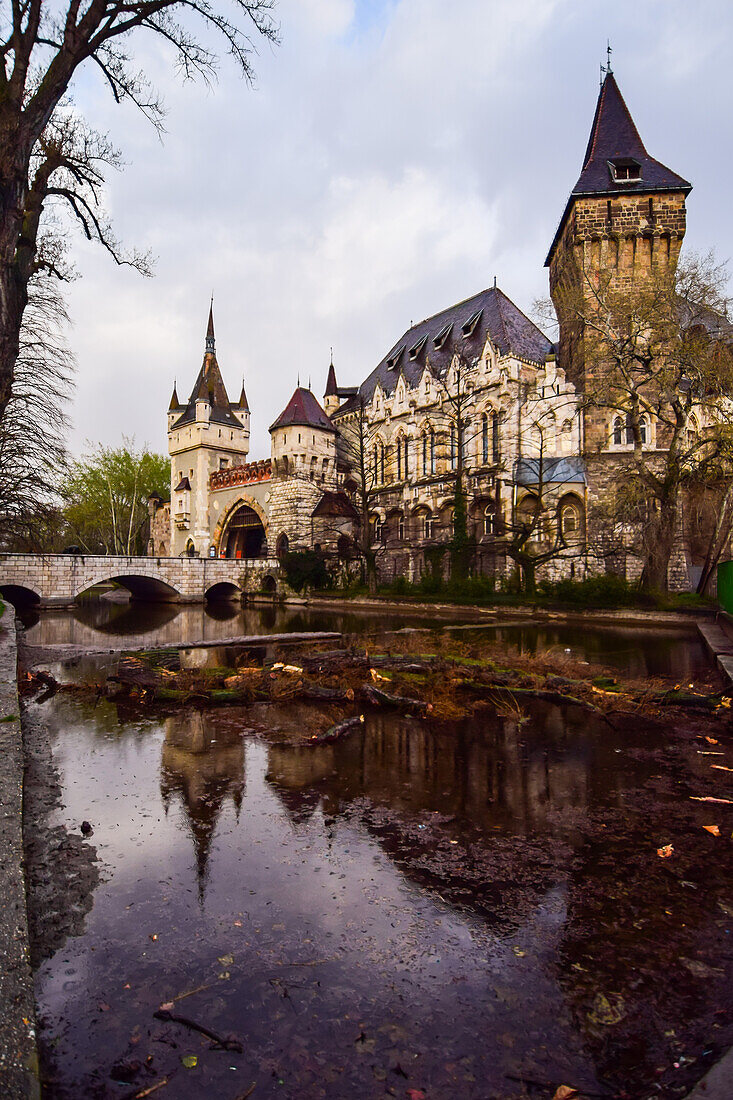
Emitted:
<point x="427" y="906"/>
<point x="634" y="651"/>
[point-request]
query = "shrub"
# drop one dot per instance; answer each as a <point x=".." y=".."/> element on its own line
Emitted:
<point x="305" y="569"/>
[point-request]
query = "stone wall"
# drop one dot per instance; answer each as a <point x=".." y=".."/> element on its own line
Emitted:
<point x="58" y="579"/>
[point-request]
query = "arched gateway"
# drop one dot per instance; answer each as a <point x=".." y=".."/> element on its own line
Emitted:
<point x="244" y="535"/>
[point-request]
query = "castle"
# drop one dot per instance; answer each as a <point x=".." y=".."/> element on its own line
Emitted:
<point x="506" y="415"/>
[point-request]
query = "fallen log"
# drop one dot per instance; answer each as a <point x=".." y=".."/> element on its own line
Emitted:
<point x="381" y="698"/>
<point x="335" y="733"/>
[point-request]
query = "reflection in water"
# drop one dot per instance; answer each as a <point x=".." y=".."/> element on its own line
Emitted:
<point x="203" y="771"/>
<point x="94" y="623"/>
<point x="304" y="924"/>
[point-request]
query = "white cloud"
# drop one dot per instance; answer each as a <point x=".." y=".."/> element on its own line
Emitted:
<point x="394" y="157"/>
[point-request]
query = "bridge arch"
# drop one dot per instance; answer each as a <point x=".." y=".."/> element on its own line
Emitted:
<point x="139" y="585"/>
<point x="223" y="592"/>
<point x="20" y="596"/>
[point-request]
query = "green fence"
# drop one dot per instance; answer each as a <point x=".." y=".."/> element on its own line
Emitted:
<point x="725" y="586"/>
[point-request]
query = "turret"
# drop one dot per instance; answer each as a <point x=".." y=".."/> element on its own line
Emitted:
<point x="206" y="435"/>
<point x="331" y="399"/>
<point x="624" y="220"/>
<point x="303" y="440"/>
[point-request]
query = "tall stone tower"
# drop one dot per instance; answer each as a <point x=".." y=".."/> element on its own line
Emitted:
<point x="625" y="218"/>
<point x="207" y="434"/>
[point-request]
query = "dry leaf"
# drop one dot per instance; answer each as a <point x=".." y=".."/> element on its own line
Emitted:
<point x="665" y="851"/>
<point x="709" y="798"/>
<point x="721" y="767"/>
<point x="712" y="741"/>
<point x="712" y="829"/>
<point x="565" y="1092"/>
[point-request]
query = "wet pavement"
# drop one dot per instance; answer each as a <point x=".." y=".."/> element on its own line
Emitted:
<point x="469" y="909"/>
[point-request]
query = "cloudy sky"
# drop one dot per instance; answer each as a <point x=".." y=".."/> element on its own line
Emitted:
<point x="394" y="156"/>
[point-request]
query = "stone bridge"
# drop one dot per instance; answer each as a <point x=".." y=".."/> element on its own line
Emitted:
<point x="57" y="580"/>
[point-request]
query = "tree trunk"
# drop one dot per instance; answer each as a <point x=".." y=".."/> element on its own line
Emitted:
<point x="529" y="577"/>
<point x="660" y="541"/>
<point x="720" y="536"/>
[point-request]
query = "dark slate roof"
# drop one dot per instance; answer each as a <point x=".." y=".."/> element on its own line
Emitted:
<point x="182" y="485"/>
<point x="614" y="137"/>
<point x="331" y="387"/>
<point x="335" y="504"/>
<point x="242" y="403"/>
<point x="209" y="386"/>
<point x="175" y="403"/>
<point x="303" y="409"/>
<point x="492" y="315"/>
<point x="555" y="471"/>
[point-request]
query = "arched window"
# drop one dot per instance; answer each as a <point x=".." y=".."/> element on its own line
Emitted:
<point x="381" y="463"/>
<point x="452" y="447"/>
<point x="282" y="546"/>
<point x="495" y="440"/>
<point x="401" y="529"/>
<point x="489" y="520"/>
<point x="432" y="451"/>
<point x="427" y="525"/>
<point x="485" y="438"/>
<point x="425" y="466"/>
<point x="566" y="437"/>
<point x="452" y="522"/>
<point x="571" y="520"/>
<point x="406" y="444"/>
<point x="643" y="434"/>
<point x="399" y="459"/>
<point x="618" y="428"/>
<point x="375" y="464"/>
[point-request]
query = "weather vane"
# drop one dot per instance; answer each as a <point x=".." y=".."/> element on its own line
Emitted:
<point x="606" y="69"/>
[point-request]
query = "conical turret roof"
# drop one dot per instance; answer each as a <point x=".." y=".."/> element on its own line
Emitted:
<point x="331" y="387"/>
<point x="303" y="409"/>
<point x="209" y="386"/>
<point x="614" y="147"/>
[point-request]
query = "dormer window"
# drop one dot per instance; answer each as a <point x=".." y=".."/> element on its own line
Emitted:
<point x="625" y="170"/>
<point x="394" y="359"/>
<point x="417" y="348"/>
<point x="443" y="335"/>
<point x="470" y="326"/>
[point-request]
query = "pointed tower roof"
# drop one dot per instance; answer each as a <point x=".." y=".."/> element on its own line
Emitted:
<point x="209" y="386"/>
<point x="303" y="409"/>
<point x="175" y="403"/>
<point x="210" y="339"/>
<point x="242" y="403"/>
<point x="616" y="161"/>
<point x="331" y="387"/>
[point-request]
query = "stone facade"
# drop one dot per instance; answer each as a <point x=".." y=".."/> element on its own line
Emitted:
<point x="479" y="377"/>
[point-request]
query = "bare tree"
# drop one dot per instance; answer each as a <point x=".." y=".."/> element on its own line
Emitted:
<point x="360" y="452"/>
<point x="662" y="358"/>
<point x="33" y="459"/>
<point x="47" y="154"/>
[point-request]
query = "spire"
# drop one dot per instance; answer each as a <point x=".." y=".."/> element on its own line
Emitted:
<point x="616" y="161"/>
<point x="175" y="403"/>
<point x="210" y="342"/>
<point x="242" y="403"/>
<point x="331" y="387"/>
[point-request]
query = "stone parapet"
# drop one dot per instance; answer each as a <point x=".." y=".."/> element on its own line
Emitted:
<point x="18" y="1055"/>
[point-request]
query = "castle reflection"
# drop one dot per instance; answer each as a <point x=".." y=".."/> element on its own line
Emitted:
<point x="486" y="770"/>
<point x="202" y="765"/>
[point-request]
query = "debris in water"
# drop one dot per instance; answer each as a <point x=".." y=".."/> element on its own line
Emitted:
<point x="712" y="829"/>
<point x="665" y="851"/>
